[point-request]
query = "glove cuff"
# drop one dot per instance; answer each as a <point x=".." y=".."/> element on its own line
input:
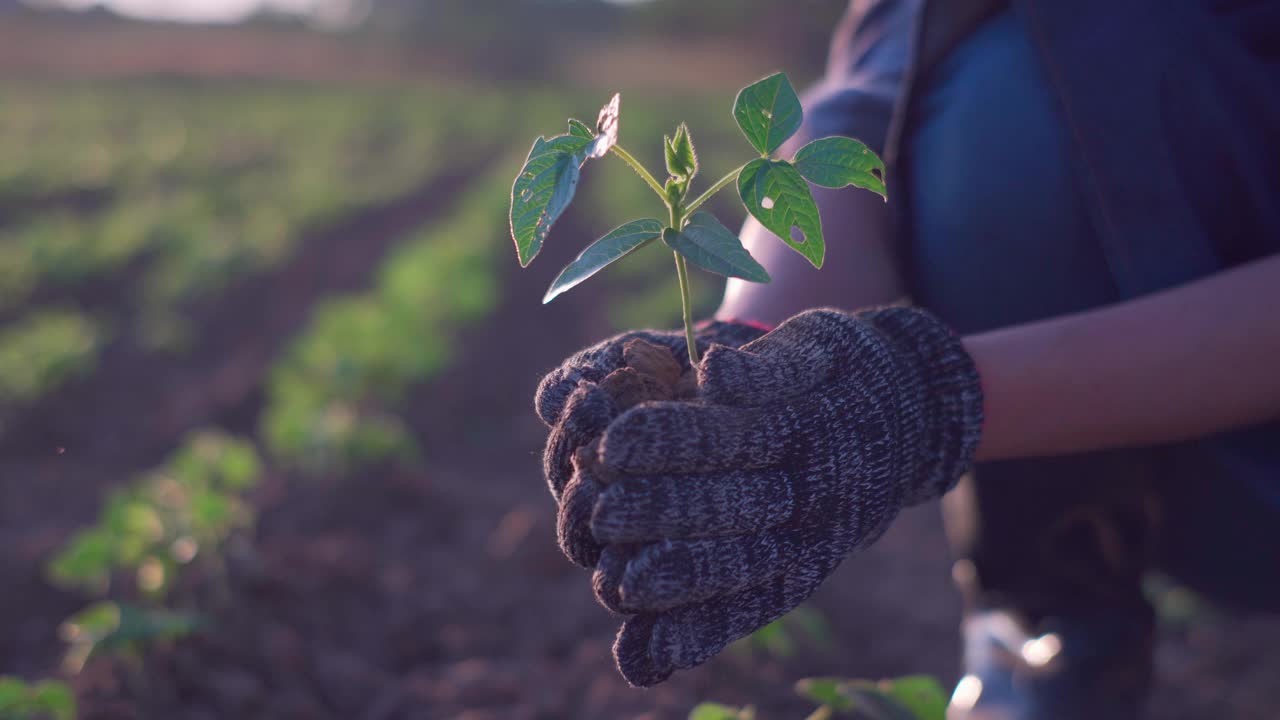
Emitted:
<point x="950" y="397"/>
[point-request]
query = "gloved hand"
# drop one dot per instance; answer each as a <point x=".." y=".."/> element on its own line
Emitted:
<point x="720" y="515"/>
<point x="570" y="401"/>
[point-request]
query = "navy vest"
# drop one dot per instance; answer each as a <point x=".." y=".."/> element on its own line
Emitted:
<point x="1174" y="111"/>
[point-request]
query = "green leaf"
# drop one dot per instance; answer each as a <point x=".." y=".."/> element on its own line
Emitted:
<point x="712" y="247"/>
<point x="620" y="242"/>
<point x="812" y="623"/>
<point x="675" y="190"/>
<point x="874" y="702"/>
<point x="239" y="466"/>
<point x="835" y="162"/>
<point x="543" y="189"/>
<point x="117" y="627"/>
<point x="142" y="624"/>
<point x="821" y="713"/>
<point x="919" y="693"/>
<point x="915" y="697"/>
<point x="13" y="693"/>
<point x="682" y="159"/>
<point x="774" y="638"/>
<point x="768" y="112"/>
<point x="577" y="128"/>
<point x="775" y="194"/>
<point x="56" y="699"/>
<point x="824" y="691"/>
<point x="715" y="711"/>
<point x="84" y="561"/>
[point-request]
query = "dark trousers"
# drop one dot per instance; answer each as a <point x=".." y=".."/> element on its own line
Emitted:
<point x="1075" y="535"/>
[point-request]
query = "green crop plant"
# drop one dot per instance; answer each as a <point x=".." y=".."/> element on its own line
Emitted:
<point x="150" y="531"/>
<point x="180" y="513"/>
<point x="914" y="697"/>
<point x="774" y="191"/>
<point x="45" y="700"/>
<point x="123" y="630"/>
<point x="43" y="350"/>
<point x="780" y="637"/>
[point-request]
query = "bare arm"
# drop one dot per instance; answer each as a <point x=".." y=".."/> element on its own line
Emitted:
<point x="1183" y="363"/>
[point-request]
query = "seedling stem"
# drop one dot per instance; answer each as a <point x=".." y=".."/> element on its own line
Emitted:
<point x="775" y="192"/>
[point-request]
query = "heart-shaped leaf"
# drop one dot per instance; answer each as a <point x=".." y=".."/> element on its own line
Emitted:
<point x="707" y="243"/>
<point x="543" y="189"/>
<point x="835" y="162"/>
<point x="775" y="194"/>
<point x="768" y="112"/>
<point x="617" y="244"/>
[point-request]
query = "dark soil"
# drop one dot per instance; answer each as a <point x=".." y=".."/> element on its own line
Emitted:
<point x="439" y="592"/>
<point x="138" y="402"/>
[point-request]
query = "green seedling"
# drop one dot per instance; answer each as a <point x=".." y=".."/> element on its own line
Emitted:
<point x="180" y="514"/>
<point x="914" y="697"/>
<point x="46" y="700"/>
<point x="774" y="191"/>
<point x="111" y="628"/>
<point x="780" y="637"/>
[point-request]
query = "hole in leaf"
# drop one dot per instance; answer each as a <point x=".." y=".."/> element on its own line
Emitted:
<point x="797" y="235"/>
<point x="767" y="203"/>
<point x="526" y="194"/>
<point x="878" y="173"/>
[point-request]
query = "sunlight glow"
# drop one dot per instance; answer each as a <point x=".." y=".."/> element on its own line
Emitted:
<point x="968" y="690"/>
<point x="219" y="11"/>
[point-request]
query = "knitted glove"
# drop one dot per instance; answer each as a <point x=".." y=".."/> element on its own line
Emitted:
<point x="571" y="401"/>
<point x="721" y="515"/>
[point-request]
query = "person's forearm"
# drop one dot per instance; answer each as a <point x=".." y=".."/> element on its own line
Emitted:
<point x="1183" y="363"/>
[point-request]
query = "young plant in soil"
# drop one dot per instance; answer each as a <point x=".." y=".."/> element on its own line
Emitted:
<point x="774" y="191"/>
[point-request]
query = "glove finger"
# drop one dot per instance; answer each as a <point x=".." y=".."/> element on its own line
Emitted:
<point x="681" y="437"/>
<point x="644" y="509"/>
<point x="651" y="646"/>
<point x="573" y="521"/>
<point x="587" y="413"/>
<point x="673" y="573"/>
<point x="608" y="574"/>
<point x="592" y="365"/>
<point x="800" y="355"/>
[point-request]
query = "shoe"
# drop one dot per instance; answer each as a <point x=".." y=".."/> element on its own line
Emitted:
<point x="1078" y="668"/>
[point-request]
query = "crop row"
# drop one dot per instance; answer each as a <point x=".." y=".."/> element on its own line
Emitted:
<point x="333" y="400"/>
<point x="208" y="184"/>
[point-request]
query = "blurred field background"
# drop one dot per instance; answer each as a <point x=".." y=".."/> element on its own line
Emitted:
<point x="267" y="361"/>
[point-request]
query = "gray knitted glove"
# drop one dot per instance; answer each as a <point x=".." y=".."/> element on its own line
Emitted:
<point x="577" y="409"/>
<point x="722" y="514"/>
